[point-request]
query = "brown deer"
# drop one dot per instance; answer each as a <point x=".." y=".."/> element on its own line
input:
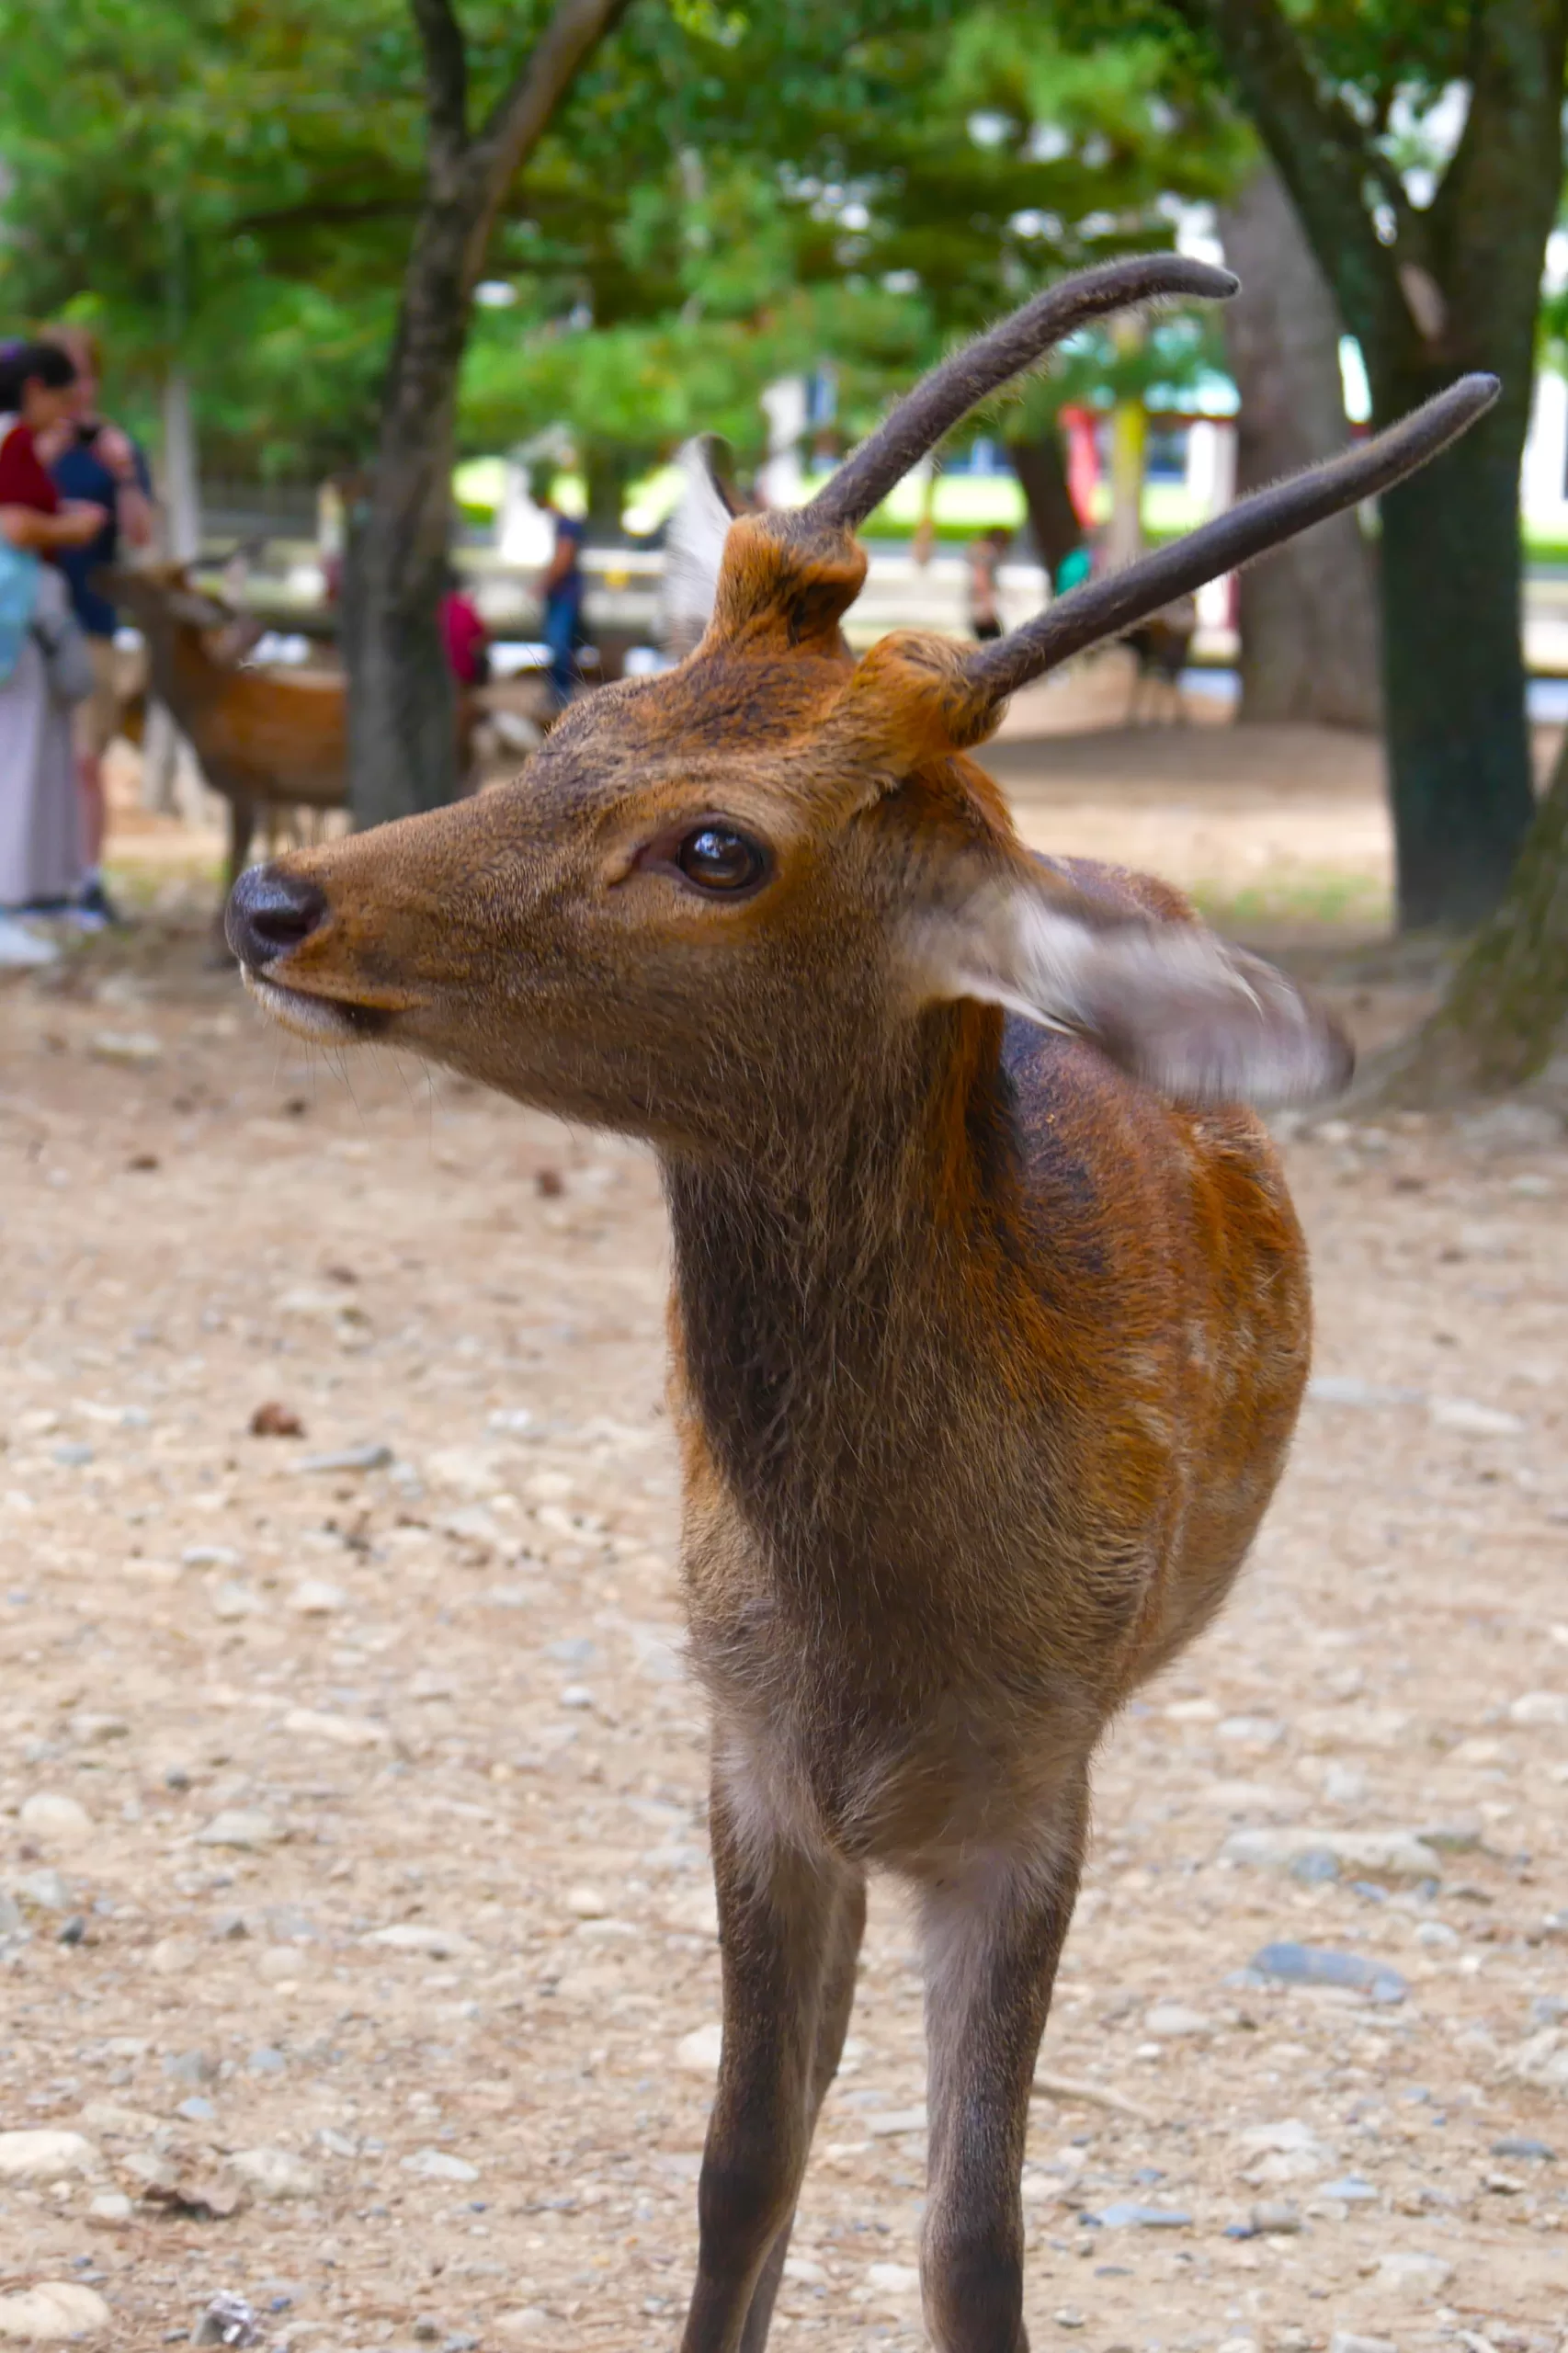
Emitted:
<point x="991" y="1315"/>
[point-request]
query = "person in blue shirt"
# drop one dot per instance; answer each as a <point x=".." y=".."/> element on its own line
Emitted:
<point x="89" y="458"/>
<point x="560" y="594"/>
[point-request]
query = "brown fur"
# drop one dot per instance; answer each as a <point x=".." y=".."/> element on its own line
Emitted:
<point x="985" y="1352"/>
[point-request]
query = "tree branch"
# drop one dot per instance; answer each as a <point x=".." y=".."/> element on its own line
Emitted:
<point x="1319" y="149"/>
<point x="445" y="81"/>
<point x="521" y="115"/>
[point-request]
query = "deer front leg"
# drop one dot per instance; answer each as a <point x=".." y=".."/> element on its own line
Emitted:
<point x="790" y="1928"/>
<point x="993" y="1934"/>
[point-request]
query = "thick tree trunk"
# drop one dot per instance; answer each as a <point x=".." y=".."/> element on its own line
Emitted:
<point x="1506" y="1015"/>
<point x="401" y="734"/>
<point x="1456" y="288"/>
<point x="606" y="471"/>
<point x="401" y="737"/>
<point x="1308" y="614"/>
<point x="1453" y="670"/>
<point x="1041" y="470"/>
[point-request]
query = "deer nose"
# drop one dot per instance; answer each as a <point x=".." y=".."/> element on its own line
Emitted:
<point x="271" y="911"/>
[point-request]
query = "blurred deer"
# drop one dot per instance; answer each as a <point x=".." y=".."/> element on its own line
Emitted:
<point x="1159" y="647"/>
<point x="990" y="1317"/>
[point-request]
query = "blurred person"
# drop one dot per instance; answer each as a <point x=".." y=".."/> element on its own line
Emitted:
<point x="463" y="633"/>
<point x="40" y="832"/>
<point x="89" y="458"/>
<point x="984" y="563"/>
<point x="560" y="594"/>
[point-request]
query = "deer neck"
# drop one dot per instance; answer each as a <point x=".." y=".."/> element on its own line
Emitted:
<point x="838" y="1301"/>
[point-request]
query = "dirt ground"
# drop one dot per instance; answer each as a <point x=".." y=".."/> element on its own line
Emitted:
<point x="356" y="1939"/>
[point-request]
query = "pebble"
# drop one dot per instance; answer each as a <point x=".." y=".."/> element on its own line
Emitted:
<point x="375" y="1456"/>
<point x="230" y="1600"/>
<point x="1344" y="2340"/>
<point x="1519" y="2145"/>
<point x="1170" y="2019"/>
<point x="111" y="2206"/>
<point x="47" y="1889"/>
<point x="196" y="2110"/>
<point x="1365" y="1854"/>
<point x="275" y="2173"/>
<point x="314" y="1598"/>
<point x="585" y="1904"/>
<point x="48" y="1814"/>
<point x="71" y="1453"/>
<point x="211" y="1556"/>
<point x="1293" y="1964"/>
<point x="266" y="2062"/>
<point x="344" y="1732"/>
<point x="1275" y="2219"/>
<point x="1464" y="1415"/>
<point x="1343" y="1389"/>
<point x="577" y="1695"/>
<point x="421" y="1936"/>
<point x="52" y="2311"/>
<point x="1127" y="2215"/>
<point x="191" y="2068"/>
<point x="46" y="2156"/>
<point x="893" y="2279"/>
<point x="1351" y="2191"/>
<point x="1539" y="1708"/>
<point x="1405" y="2274"/>
<point x="126" y="1046"/>
<point x="697" y="2053"/>
<point x="1068" y="2316"/>
<point x="228" y="2320"/>
<point x="435" y="2165"/>
<point x="246" y="1828"/>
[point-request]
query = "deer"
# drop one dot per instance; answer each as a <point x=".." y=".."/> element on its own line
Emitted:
<point x="990" y="1315"/>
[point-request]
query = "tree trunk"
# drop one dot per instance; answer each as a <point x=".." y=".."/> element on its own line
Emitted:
<point x="401" y="725"/>
<point x="402" y="754"/>
<point x="1041" y="470"/>
<point x="180" y="499"/>
<point x="1456" y="288"/>
<point x="1506" y="1015"/>
<point x="606" y="470"/>
<point x="1308" y="613"/>
<point x="1454" y="683"/>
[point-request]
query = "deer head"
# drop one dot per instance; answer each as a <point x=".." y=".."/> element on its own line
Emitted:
<point x="162" y="598"/>
<point x="713" y="895"/>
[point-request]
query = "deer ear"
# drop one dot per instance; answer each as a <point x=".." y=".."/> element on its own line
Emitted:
<point x="1168" y="1002"/>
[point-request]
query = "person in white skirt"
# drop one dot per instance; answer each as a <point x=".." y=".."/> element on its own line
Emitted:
<point x="40" y="849"/>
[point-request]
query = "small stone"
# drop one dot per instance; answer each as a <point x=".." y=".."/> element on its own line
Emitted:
<point x="1167" y="2019"/>
<point x="127" y="1045"/>
<point x="1275" y="2219"/>
<point x="111" y="2206"/>
<point x="48" y="1814"/>
<point x="344" y="1732"/>
<point x="1343" y="1389"/>
<point x="266" y="2061"/>
<point x="228" y="2320"/>
<point x="1351" y="2191"/>
<point x="893" y="2279"/>
<point x="1068" y="2316"/>
<point x="585" y="1904"/>
<point x="527" y="2320"/>
<point x="884" y="2124"/>
<point x="1344" y="2340"/>
<point x="52" y="2311"/>
<point x="1411" y="2274"/>
<point x="48" y="1889"/>
<point x="246" y="1828"/>
<point x="230" y="1600"/>
<point x="1360" y="1854"/>
<point x="196" y="2110"/>
<point x="1437" y="1935"/>
<point x="314" y="1598"/>
<point x="274" y="1419"/>
<point x="697" y="2053"/>
<point x="177" y="1776"/>
<point x="71" y="1453"/>
<point x="374" y="1456"/>
<point x="211" y="1556"/>
<point x="280" y="1964"/>
<point x="275" y="2173"/>
<point x="435" y="2165"/>
<point x="577" y="1695"/>
<point x="191" y="2068"/>
<point x="420" y="1936"/>
<point x="46" y="2156"/>
<point x="1468" y="1419"/>
<point x="1125" y="2214"/>
<point x="1293" y="1964"/>
<point x="1541" y="1708"/>
<point x="1520" y="2145"/>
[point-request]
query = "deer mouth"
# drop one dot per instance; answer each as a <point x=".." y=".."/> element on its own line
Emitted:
<point x="325" y="1020"/>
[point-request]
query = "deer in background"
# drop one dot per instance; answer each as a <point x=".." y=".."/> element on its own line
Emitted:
<point x="990" y="1314"/>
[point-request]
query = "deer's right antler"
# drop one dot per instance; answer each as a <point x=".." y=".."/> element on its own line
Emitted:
<point x="960" y="382"/>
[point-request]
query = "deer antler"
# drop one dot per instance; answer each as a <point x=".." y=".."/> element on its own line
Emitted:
<point x="1105" y="608"/>
<point x="950" y="391"/>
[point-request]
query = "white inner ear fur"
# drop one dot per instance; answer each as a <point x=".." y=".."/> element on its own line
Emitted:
<point x="1170" y="1003"/>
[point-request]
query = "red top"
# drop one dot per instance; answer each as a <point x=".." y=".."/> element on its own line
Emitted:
<point x="465" y="634"/>
<point x="23" y="479"/>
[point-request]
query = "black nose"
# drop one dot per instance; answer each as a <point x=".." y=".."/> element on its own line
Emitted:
<point x="269" y="912"/>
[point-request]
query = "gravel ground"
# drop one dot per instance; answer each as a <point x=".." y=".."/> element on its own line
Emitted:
<point x="357" y="1937"/>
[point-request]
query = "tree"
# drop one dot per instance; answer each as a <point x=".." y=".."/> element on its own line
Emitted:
<point x="1434" y="246"/>
<point x="1308" y="613"/>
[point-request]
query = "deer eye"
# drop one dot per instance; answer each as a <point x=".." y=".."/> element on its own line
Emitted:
<point x="718" y="860"/>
